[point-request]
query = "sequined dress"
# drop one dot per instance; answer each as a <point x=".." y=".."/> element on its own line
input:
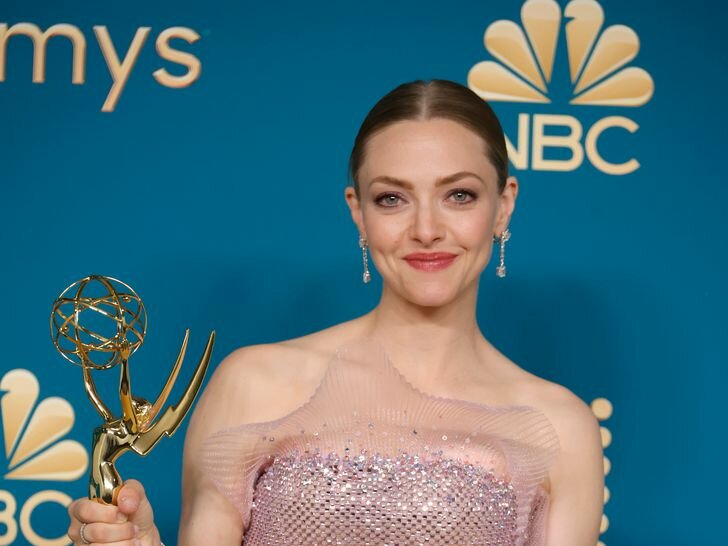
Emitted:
<point x="371" y="460"/>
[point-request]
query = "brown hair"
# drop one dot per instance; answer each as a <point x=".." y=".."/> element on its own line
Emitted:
<point x="422" y="100"/>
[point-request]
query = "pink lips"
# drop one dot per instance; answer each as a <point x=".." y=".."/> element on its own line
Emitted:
<point x="430" y="261"/>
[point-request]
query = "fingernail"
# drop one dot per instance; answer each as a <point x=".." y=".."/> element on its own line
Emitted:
<point x="137" y="542"/>
<point x="120" y="517"/>
<point x="136" y="530"/>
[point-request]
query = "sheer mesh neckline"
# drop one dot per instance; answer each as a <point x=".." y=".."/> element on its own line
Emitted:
<point x="364" y="405"/>
<point x="343" y="353"/>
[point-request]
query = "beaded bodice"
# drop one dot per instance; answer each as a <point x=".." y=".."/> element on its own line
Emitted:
<point x="369" y="459"/>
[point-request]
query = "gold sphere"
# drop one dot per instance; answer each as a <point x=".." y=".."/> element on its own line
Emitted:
<point x="97" y="321"/>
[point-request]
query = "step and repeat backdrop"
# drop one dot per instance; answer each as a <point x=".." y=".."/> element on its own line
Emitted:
<point x="198" y="150"/>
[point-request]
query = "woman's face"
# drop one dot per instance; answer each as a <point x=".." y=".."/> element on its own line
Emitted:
<point x="428" y="187"/>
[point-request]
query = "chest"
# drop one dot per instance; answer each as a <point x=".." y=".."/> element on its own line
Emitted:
<point x="378" y="499"/>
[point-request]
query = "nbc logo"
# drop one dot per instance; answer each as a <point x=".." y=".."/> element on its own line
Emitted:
<point x="33" y="432"/>
<point x="599" y="77"/>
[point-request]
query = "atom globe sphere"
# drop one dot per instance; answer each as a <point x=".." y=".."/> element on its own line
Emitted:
<point x="97" y="321"/>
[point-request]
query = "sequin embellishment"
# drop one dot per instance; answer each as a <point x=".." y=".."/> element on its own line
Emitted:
<point x="373" y="499"/>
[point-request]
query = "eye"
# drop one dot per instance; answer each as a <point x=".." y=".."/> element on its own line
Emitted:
<point x="387" y="199"/>
<point x="463" y="196"/>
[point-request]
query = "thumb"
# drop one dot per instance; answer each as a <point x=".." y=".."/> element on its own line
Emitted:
<point x="133" y="502"/>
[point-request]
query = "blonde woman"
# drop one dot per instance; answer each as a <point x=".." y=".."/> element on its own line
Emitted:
<point x="404" y="425"/>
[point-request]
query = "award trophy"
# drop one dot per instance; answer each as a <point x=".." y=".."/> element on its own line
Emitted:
<point x="97" y="323"/>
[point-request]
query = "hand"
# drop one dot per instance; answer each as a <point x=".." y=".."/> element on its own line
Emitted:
<point x="131" y="523"/>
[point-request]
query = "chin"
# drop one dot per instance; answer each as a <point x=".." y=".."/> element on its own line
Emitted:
<point x="434" y="296"/>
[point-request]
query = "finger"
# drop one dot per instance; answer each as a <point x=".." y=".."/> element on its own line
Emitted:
<point x="134" y="502"/>
<point x="75" y="537"/>
<point x="121" y="543"/>
<point x="131" y="496"/>
<point x="88" y="511"/>
<point x="105" y="533"/>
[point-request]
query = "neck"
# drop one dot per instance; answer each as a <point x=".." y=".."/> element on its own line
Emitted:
<point x="429" y="345"/>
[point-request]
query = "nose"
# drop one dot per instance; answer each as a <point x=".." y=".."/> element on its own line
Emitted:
<point x="427" y="227"/>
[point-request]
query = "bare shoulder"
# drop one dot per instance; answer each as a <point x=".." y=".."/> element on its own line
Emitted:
<point x="573" y="420"/>
<point x="566" y="410"/>
<point x="578" y="465"/>
<point x="266" y="381"/>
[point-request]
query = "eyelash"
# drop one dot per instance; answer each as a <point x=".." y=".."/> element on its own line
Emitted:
<point x="473" y="196"/>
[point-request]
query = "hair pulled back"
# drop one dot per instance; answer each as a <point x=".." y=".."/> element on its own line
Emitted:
<point x="421" y="100"/>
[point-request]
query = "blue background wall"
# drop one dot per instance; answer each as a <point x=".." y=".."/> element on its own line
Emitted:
<point x="222" y="205"/>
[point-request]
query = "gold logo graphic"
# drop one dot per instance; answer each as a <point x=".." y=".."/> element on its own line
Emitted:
<point x="32" y="432"/>
<point x="602" y="409"/>
<point x="120" y="66"/>
<point x="597" y="57"/>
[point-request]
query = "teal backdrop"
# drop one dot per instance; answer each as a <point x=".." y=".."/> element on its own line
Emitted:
<point x="221" y="202"/>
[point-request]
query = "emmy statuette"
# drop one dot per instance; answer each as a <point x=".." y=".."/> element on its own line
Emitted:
<point x="97" y="323"/>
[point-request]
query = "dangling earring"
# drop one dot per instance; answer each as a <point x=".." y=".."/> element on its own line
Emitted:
<point x="366" y="277"/>
<point x="501" y="269"/>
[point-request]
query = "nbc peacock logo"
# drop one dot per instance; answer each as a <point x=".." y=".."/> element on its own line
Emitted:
<point x="32" y="431"/>
<point x="35" y="449"/>
<point x="597" y="59"/>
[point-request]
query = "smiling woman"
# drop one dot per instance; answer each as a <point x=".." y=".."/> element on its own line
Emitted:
<point x="404" y="425"/>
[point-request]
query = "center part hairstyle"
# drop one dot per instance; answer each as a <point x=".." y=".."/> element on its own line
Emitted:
<point x="420" y="101"/>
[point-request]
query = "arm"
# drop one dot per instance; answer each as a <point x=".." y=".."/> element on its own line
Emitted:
<point x="577" y="477"/>
<point x="207" y="516"/>
<point x="251" y="385"/>
<point x="90" y="386"/>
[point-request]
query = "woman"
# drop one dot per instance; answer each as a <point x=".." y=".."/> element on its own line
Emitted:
<point x="431" y="194"/>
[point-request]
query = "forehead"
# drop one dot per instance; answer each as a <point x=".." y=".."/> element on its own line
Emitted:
<point x="423" y="150"/>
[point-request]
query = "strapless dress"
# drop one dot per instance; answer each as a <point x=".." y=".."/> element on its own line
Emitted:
<point x="371" y="460"/>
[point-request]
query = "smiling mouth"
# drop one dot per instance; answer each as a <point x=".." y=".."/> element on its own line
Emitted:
<point x="432" y="262"/>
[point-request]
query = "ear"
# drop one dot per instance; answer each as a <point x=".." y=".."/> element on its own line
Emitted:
<point x="355" y="208"/>
<point x="506" y="205"/>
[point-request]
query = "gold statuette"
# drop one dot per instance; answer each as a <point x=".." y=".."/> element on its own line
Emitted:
<point x="97" y="323"/>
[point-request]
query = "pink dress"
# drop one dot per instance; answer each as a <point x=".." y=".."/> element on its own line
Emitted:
<point x="371" y="460"/>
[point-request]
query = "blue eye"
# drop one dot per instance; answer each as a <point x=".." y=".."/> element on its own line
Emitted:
<point x="385" y="199"/>
<point x="463" y="195"/>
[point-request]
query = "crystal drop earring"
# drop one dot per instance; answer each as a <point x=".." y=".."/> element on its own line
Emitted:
<point x="501" y="269"/>
<point x="366" y="276"/>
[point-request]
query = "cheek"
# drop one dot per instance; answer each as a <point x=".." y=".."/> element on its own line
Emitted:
<point x="475" y="230"/>
<point x="385" y="233"/>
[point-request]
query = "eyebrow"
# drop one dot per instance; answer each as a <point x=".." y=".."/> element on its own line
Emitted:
<point x="449" y="179"/>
